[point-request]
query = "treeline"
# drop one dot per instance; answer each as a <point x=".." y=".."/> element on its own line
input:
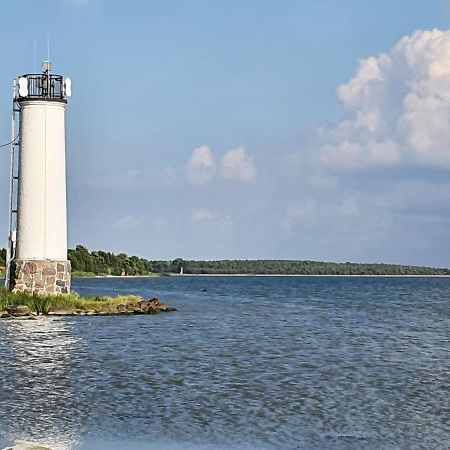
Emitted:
<point x="107" y="263"/>
<point x="2" y="257"/>
<point x="290" y="267"/>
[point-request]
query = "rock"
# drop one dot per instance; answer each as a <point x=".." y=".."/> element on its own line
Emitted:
<point x="156" y="305"/>
<point x="4" y="314"/>
<point x="130" y="306"/>
<point x="121" y="309"/>
<point x="18" y="310"/>
<point x="149" y="309"/>
<point x="108" y="310"/>
<point x="61" y="311"/>
<point x="154" y="302"/>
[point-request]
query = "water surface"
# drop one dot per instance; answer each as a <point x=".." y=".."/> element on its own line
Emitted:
<point x="246" y="363"/>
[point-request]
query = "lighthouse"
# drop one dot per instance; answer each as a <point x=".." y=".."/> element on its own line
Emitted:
<point x="37" y="245"/>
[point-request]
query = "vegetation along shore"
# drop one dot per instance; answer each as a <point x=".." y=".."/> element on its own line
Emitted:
<point x="87" y="263"/>
<point x="20" y="304"/>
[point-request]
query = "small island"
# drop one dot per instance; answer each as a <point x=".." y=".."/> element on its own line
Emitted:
<point x="20" y="304"/>
<point x="100" y="263"/>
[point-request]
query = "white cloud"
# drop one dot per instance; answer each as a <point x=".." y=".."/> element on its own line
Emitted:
<point x="202" y="215"/>
<point x="354" y="154"/>
<point x="397" y="108"/>
<point x="201" y="166"/>
<point x="237" y="165"/>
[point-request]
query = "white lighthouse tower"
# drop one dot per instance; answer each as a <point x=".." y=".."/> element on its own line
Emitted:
<point x="37" y="250"/>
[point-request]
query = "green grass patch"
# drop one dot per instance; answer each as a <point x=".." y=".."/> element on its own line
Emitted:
<point x="81" y="274"/>
<point x="41" y="304"/>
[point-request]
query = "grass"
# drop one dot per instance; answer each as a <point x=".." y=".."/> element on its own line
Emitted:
<point x="41" y="304"/>
<point x="81" y="274"/>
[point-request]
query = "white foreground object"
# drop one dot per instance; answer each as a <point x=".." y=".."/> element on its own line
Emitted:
<point x="42" y="210"/>
<point x="37" y="240"/>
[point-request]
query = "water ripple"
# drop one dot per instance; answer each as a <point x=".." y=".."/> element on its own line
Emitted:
<point x="250" y="363"/>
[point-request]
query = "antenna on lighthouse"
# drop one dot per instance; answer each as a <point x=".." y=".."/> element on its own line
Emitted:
<point x="46" y="66"/>
<point x="48" y="47"/>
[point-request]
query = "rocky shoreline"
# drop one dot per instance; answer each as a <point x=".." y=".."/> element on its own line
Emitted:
<point x="136" y="307"/>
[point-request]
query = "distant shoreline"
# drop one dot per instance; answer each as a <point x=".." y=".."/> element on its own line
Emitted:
<point x="87" y="263"/>
<point x="306" y="275"/>
<point x="269" y="275"/>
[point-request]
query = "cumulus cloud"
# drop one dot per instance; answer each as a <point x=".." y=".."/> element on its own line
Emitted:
<point x="237" y="165"/>
<point x="201" y="166"/>
<point x="397" y="108"/>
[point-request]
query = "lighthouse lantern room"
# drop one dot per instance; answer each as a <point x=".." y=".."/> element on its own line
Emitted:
<point x="37" y="245"/>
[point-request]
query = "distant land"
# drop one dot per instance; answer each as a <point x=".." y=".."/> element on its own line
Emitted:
<point x="87" y="263"/>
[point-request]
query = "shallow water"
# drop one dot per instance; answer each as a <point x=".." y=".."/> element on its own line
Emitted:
<point x="246" y="363"/>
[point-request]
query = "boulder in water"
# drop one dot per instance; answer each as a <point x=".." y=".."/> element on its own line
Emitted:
<point x="18" y="310"/>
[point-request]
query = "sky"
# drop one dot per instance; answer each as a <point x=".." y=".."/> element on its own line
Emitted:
<point x="281" y="129"/>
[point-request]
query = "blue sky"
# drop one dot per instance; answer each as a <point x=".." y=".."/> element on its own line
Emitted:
<point x="243" y="129"/>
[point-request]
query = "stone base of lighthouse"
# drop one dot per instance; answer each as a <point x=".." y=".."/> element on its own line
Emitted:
<point x="41" y="277"/>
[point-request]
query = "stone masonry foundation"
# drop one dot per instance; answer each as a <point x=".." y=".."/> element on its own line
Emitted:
<point x="41" y="277"/>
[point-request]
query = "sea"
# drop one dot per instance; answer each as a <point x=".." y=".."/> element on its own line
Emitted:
<point x="245" y="363"/>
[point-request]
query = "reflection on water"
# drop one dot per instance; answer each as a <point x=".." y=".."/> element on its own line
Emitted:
<point x="40" y="354"/>
<point x="245" y="364"/>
